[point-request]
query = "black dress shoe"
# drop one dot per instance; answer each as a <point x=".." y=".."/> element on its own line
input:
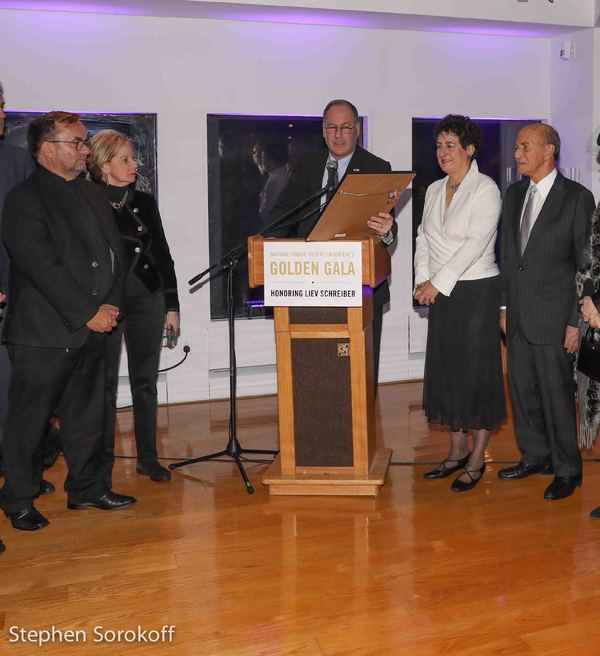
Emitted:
<point x="27" y="520"/>
<point x="46" y="487"/>
<point x="461" y="486"/>
<point x="107" y="501"/>
<point x="595" y="513"/>
<point x="155" y="470"/>
<point x="442" y="470"/>
<point x="522" y="470"/>
<point x="562" y="487"/>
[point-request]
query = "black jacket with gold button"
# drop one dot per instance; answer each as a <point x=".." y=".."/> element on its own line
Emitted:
<point x="147" y="253"/>
<point x="60" y="236"/>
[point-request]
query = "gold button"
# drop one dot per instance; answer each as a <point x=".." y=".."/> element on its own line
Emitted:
<point x="94" y="292"/>
<point x="135" y="210"/>
<point x="146" y="266"/>
<point x="140" y="228"/>
<point x="137" y="249"/>
<point x="95" y="265"/>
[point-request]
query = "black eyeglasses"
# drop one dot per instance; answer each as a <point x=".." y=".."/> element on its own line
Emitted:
<point x="78" y="143"/>
<point x="344" y="129"/>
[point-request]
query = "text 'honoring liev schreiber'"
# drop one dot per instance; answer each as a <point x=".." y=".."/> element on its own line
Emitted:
<point x="95" y="634"/>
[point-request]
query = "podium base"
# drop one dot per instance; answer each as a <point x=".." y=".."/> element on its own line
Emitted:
<point x="316" y="484"/>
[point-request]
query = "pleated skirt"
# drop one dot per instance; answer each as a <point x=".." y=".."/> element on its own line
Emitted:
<point x="464" y="383"/>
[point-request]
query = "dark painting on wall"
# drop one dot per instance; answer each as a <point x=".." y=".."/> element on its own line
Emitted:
<point x="140" y="128"/>
<point x="496" y="159"/>
<point x="249" y="159"/>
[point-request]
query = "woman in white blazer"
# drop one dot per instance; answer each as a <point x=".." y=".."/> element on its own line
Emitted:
<point x="457" y="276"/>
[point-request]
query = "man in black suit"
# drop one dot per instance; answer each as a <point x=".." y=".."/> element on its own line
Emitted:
<point x="66" y="285"/>
<point x="341" y="130"/>
<point x="546" y="221"/>
<point x="16" y="164"/>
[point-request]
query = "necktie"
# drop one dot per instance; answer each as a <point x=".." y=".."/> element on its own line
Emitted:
<point x="527" y="220"/>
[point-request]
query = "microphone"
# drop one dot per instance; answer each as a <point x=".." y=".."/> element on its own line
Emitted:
<point x="332" y="177"/>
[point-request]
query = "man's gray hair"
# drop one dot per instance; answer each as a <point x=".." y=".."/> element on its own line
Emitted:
<point x="1" y="89"/>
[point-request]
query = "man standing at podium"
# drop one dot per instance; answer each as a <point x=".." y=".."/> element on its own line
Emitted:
<point x="326" y="167"/>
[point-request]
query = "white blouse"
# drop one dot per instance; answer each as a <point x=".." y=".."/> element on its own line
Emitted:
<point x="458" y="243"/>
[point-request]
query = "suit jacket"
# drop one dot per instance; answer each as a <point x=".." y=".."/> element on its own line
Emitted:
<point x="539" y="286"/>
<point x="54" y="274"/>
<point x="16" y="164"/>
<point x="146" y="251"/>
<point x="307" y="178"/>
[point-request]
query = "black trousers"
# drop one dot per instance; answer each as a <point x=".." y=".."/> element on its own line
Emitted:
<point x="142" y="325"/>
<point x="543" y="401"/>
<point x="44" y="379"/>
<point x="5" y="368"/>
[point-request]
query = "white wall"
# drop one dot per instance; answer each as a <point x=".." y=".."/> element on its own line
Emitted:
<point x="572" y="102"/>
<point x="596" y="115"/>
<point x="183" y="69"/>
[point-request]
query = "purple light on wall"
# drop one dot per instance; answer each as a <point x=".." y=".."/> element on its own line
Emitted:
<point x="74" y="7"/>
<point x="298" y="16"/>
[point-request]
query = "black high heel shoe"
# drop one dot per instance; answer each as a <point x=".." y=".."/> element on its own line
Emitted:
<point x="442" y="470"/>
<point x="460" y="486"/>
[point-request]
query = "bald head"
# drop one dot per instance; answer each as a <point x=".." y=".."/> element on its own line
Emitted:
<point x="536" y="150"/>
<point x="549" y="135"/>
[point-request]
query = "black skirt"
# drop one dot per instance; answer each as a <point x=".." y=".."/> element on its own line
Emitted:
<point x="464" y="383"/>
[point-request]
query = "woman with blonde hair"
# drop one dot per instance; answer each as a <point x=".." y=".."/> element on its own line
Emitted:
<point x="151" y="299"/>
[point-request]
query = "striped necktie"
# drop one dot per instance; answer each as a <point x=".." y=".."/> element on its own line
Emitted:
<point x="527" y="220"/>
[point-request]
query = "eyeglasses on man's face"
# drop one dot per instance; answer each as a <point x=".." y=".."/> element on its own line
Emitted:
<point x="78" y="143"/>
<point x="346" y="128"/>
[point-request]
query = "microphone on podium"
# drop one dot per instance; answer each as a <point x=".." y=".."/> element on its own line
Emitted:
<point x="332" y="177"/>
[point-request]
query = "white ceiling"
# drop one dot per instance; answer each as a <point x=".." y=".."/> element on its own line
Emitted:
<point x="537" y="18"/>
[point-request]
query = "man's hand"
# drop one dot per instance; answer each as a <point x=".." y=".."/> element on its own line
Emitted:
<point x="104" y="320"/>
<point x="425" y="293"/>
<point x="571" y="339"/>
<point x="503" y="322"/>
<point x="381" y="224"/>
<point x="2" y="299"/>
<point x="113" y="310"/>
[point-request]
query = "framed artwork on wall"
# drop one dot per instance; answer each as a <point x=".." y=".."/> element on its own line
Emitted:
<point x="249" y="160"/>
<point x="140" y="128"/>
<point x="496" y="159"/>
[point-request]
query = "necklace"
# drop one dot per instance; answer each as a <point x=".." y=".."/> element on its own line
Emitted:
<point x="118" y="205"/>
<point x="454" y="187"/>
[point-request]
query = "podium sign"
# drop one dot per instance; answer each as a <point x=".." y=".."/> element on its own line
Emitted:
<point x="313" y="274"/>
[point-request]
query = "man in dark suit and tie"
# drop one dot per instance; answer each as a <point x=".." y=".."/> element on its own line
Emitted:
<point x="66" y="285"/>
<point x="341" y="130"/>
<point x="16" y="164"/>
<point x="546" y="222"/>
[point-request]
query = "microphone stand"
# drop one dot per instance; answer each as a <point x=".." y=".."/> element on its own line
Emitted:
<point x="228" y="263"/>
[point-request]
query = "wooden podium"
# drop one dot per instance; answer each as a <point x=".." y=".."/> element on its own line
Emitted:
<point x="326" y="394"/>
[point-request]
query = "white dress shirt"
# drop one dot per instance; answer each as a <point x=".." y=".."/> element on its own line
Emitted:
<point x="543" y="189"/>
<point x="458" y="243"/>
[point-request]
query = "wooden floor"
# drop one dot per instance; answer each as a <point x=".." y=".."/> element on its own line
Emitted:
<point x="419" y="570"/>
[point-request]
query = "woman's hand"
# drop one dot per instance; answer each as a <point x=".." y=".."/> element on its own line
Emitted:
<point x="381" y="224"/>
<point x="425" y="293"/>
<point x="172" y="324"/>
<point x="589" y="312"/>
